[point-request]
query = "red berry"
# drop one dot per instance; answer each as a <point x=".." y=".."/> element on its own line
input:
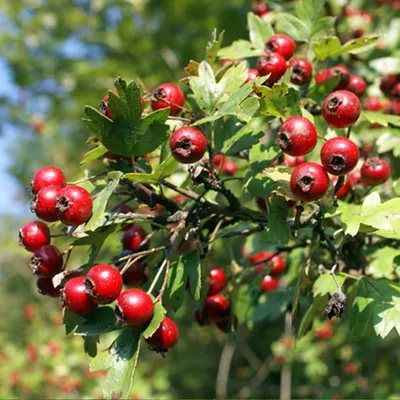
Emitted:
<point x="215" y="309"/>
<point x="133" y="237"/>
<point x="229" y="167"/>
<point x="260" y="8"/>
<point x="75" y="298"/>
<point x="272" y="64"/>
<point x="357" y="85"/>
<point x="269" y="283"/>
<point x="309" y="181"/>
<point x="34" y="235"/>
<point x="344" y="189"/>
<point x="341" y="109"/>
<point x="324" y="332"/>
<point x="74" y="205"/>
<point x="168" y="95"/>
<point x="372" y="104"/>
<point x="252" y="74"/>
<point x="45" y="286"/>
<point x="388" y="82"/>
<point x="281" y="44"/>
<point x="301" y="71"/>
<point x="394" y="107"/>
<point x="339" y="155"/>
<point x="104" y="283"/>
<point x="105" y="108"/>
<point x="165" y="337"/>
<point x="354" y="179"/>
<point x="218" y="159"/>
<point x="396" y="91"/>
<point x="217" y="280"/>
<point x="292" y="161"/>
<point x="330" y="73"/>
<point x="297" y="136"/>
<point x="44" y="203"/>
<point x="188" y="145"/>
<point x="47" y="261"/>
<point x="135" y="307"/>
<point x="47" y="176"/>
<point x="375" y="171"/>
<point x="135" y="275"/>
<point x="278" y="262"/>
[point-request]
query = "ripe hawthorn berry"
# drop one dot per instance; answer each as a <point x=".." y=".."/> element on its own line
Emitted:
<point x="374" y="171"/>
<point x="103" y="283"/>
<point x="34" y="235"/>
<point x="272" y="64"/>
<point x="47" y="261"/>
<point x="47" y="176"/>
<point x="104" y="105"/>
<point x="301" y="71"/>
<point x="357" y="85"/>
<point x="165" y="337"/>
<point x="74" y="205"/>
<point x="219" y="159"/>
<point x="260" y="8"/>
<point x="269" y="283"/>
<point x="251" y="75"/>
<point x="75" y="298"/>
<point x="292" y="161"/>
<point x="44" y="203"/>
<point x="309" y="181"/>
<point x="167" y="95"/>
<point x="45" y="287"/>
<point x="188" y="145"/>
<point x="339" y="155"/>
<point x="134" y="307"/>
<point x="324" y="332"/>
<point x="132" y="238"/>
<point x="281" y="44"/>
<point x="396" y="91"/>
<point x="388" y="82"/>
<point x="297" y="136"/>
<point x="341" y="109"/>
<point x="333" y="72"/>
<point x="344" y="189"/>
<point x="217" y="280"/>
<point x="372" y="104"/>
<point x="277" y="262"/>
<point x="215" y="309"/>
<point x="135" y="275"/>
<point x="229" y="167"/>
<point x="354" y="179"/>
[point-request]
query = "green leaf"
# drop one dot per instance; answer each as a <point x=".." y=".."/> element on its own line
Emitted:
<point x="100" y="202"/>
<point x="324" y="26"/>
<point x="93" y="154"/>
<point x="246" y="301"/>
<point x="71" y="321"/>
<point x="261" y="186"/>
<point x="309" y="10"/>
<point x="318" y="92"/>
<point x="306" y="322"/>
<point x="292" y="26"/>
<point x="204" y="87"/>
<point x="195" y="275"/>
<point x="90" y="345"/>
<point x="158" y="316"/>
<point x="261" y="156"/>
<point x="240" y="49"/>
<point x="247" y="109"/>
<point x="121" y="361"/>
<point x="382" y="265"/>
<point x="244" y="138"/>
<point x="281" y="175"/>
<point x="380" y="118"/>
<point x="100" y="321"/>
<point x="278" y="230"/>
<point x="325" y="284"/>
<point x="213" y="46"/>
<point x="272" y="305"/>
<point x="259" y="31"/>
<point x="231" y="81"/>
<point x="275" y="101"/>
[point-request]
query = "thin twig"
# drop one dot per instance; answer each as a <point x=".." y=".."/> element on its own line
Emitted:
<point x="286" y="373"/>
<point x="221" y="389"/>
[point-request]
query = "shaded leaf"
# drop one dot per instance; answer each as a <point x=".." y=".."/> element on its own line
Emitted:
<point x="100" y="321"/>
<point x="259" y="31"/>
<point x="213" y="46"/>
<point x="158" y="316"/>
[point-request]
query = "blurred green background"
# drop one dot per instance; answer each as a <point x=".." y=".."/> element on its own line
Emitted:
<point x="57" y="56"/>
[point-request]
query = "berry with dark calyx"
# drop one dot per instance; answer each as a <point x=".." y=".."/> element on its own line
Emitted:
<point x="330" y="73"/>
<point x="388" y="82"/>
<point x="103" y="283"/>
<point x="357" y="85"/>
<point x="44" y="204"/>
<point x="292" y="162"/>
<point x="339" y="155"/>
<point x="260" y="8"/>
<point x="74" y="205"/>
<point x="272" y="64"/>
<point x="228" y="324"/>
<point x="269" y="283"/>
<point x="374" y="171"/>
<point x="165" y="337"/>
<point x="341" y="109"/>
<point x="229" y="167"/>
<point x="47" y="261"/>
<point x="34" y="235"/>
<point x="396" y="91"/>
<point x="75" y="298"/>
<point x="168" y="95"/>
<point x="215" y="309"/>
<point x="135" y="307"/>
<point x="217" y="280"/>
<point x="281" y="44"/>
<point x="45" y="286"/>
<point x="252" y="74"/>
<point x="133" y="237"/>
<point x="309" y="181"/>
<point x="188" y="145"/>
<point x="297" y="136"/>
<point x="301" y="71"/>
<point x="47" y="176"/>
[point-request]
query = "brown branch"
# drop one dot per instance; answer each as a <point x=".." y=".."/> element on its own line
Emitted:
<point x="221" y="389"/>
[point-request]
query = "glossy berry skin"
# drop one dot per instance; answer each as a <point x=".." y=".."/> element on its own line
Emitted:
<point x="216" y="308"/>
<point x="260" y="9"/>
<point x="374" y="171"/>
<point x="105" y="108"/>
<point x="281" y="44"/>
<point x="341" y="109"/>
<point x="188" y="145"/>
<point x="168" y="95"/>
<point x="277" y="262"/>
<point x="104" y="283"/>
<point x="74" y="205"/>
<point x="47" y="176"/>
<point x="372" y="104"/>
<point x="44" y="204"/>
<point x="45" y="287"/>
<point x="75" y="297"/>
<point x="252" y="74"/>
<point x="34" y="235"/>
<point x="217" y="280"/>
<point x="165" y="337"/>
<point x="388" y="82"/>
<point x="229" y="167"/>
<point x="297" y="136"/>
<point x="301" y="71"/>
<point x="309" y="181"/>
<point x="47" y="261"/>
<point x="292" y="162"/>
<point x="330" y="73"/>
<point x="135" y="307"/>
<point x="274" y="64"/>
<point x="357" y="85"/>
<point x="219" y="159"/>
<point x="269" y="283"/>
<point x="344" y="189"/>
<point x="132" y="238"/>
<point x="339" y="155"/>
